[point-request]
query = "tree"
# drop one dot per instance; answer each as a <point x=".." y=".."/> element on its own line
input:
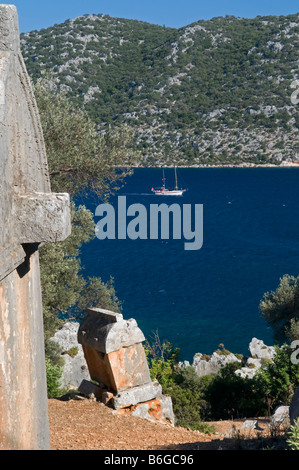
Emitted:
<point x="79" y="157"/>
<point x="79" y="160"/>
<point x="280" y="308"/>
<point x="66" y="292"/>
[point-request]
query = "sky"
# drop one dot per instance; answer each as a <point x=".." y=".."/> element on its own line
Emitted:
<point x="38" y="14"/>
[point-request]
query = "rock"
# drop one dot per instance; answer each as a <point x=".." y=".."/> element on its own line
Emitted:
<point x="184" y="364"/>
<point x="214" y="364"/>
<point x="246" y="372"/>
<point x="75" y="368"/>
<point x="156" y="410"/>
<point x="259" y="350"/>
<point x="167" y="409"/>
<point x="280" y="418"/>
<point x="250" y="424"/>
<point x="106" y="397"/>
<point x="66" y="337"/>
<point x="294" y="407"/>
<point x="89" y="389"/>
<point x="259" y="353"/>
<point x="253" y="363"/>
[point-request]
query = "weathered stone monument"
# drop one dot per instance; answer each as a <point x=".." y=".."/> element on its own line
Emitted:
<point x="29" y="214"/>
<point x="117" y="363"/>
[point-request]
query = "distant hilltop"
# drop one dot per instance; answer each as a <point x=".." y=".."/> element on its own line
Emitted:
<point x="222" y="91"/>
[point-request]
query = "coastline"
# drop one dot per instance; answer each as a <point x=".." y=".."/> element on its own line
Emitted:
<point x="224" y="165"/>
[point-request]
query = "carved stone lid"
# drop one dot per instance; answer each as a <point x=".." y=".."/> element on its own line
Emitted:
<point x="107" y="331"/>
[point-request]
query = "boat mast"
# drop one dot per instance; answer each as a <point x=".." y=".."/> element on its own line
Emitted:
<point x="176" y="180"/>
<point x="163" y="179"/>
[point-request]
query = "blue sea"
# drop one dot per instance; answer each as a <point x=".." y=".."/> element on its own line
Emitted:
<point x="201" y="298"/>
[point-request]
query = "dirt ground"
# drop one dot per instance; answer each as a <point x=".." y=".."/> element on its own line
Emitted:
<point x="90" y="425"/>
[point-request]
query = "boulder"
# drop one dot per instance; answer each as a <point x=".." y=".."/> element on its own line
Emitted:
<point x="250" y="424"/>
<point x="158" y="410"/>
<point x="280" y="417"/>
<point x="75" y="368"/>
<point x="214" y="364"/>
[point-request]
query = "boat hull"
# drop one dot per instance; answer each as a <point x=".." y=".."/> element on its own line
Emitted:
<point x="166" y="192"/>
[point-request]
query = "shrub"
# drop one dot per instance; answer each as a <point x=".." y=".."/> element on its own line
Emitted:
<point x="278" y="380"/>
<point x="183" y="386"/>
<point x="54" y="373"/>
<point x="162" y="358"/>
<point x="187" y="397"/>
<point x="293" y="440"/>
<point x="231" y="396"/>
<point x="72" y="352"/>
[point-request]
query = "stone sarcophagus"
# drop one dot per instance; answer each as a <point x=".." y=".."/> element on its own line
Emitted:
<point x="113" y="350"/>
<point x="29" y="214"/>
<point x="117" y="363"/>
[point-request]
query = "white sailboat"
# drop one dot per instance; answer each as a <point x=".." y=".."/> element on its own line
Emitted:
<point x="163" y="191"/>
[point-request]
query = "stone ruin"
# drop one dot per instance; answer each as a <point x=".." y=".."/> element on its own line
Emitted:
<point x="116" y="361"/>
<point x="30" y="214"/>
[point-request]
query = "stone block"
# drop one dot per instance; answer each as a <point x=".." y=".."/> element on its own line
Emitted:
<point x="118" y="370"/>
<point x="134" y="395"/>
<point x="155" y="410"/>
<point x="116" y="361"/>
<point x="42" y="216"/>
<point x="113" y="350"/>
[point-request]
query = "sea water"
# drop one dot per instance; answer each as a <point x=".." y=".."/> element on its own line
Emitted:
<point x="198" y="299"/>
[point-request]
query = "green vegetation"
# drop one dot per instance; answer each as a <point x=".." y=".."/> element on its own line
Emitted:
<point x="280" y="308"/>
<point x="79" y="160"/>
<point x="293" y="440"/>
<point x="224" y="395"/>
<point x="54" y="373"/>
<point x="213" y="92"/>
<point x="184" y="386"/>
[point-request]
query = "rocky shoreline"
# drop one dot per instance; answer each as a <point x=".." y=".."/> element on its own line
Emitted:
<point x="206" y="365"/>
<point x="225" y="165"/>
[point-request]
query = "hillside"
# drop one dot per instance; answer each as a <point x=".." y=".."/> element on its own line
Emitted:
<point x="213" y="92"/>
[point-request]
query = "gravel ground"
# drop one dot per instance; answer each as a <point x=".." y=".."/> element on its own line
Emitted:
<point x="90" y="425"/>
